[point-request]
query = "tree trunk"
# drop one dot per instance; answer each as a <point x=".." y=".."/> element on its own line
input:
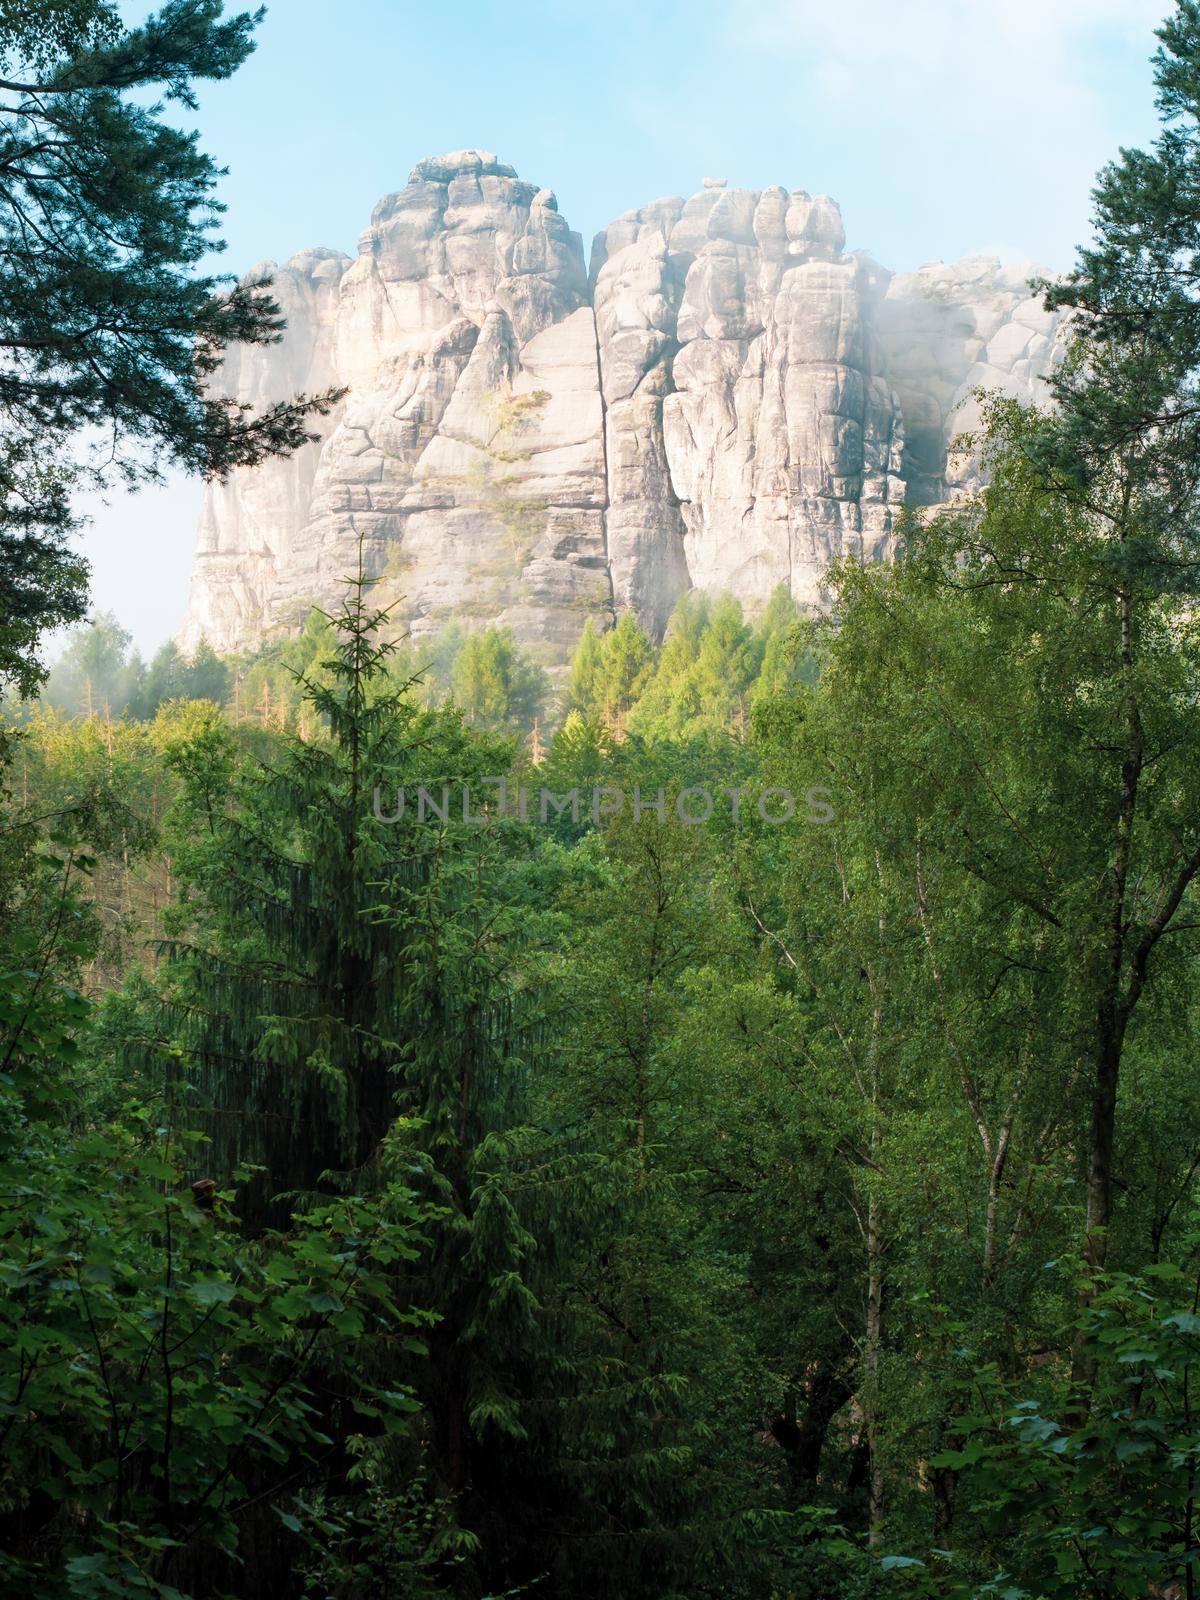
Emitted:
<point x="802" y="1433"/>
<point x="871" y="1355"/>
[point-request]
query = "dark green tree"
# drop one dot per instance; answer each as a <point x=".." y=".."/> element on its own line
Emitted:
<point x="40" y="32"/>
<point x="166" y="678"/>
<point x="1123" y="446"/>
<point x="207" y="676"/>
<point x="1129" y="390"/>
<point x="287" y="990"/>
<point x="107" y="322"/>
<point x="165" y="1381"/>
<point x="339" y="962"/>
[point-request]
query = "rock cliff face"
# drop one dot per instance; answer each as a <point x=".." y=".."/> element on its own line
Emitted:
<point x="727" y="401"/>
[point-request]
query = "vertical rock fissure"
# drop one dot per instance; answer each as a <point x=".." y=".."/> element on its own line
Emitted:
<point x="612" y="593"/>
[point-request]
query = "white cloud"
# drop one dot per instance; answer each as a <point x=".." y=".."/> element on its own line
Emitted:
<point x="1000" y="110"/>
<point x="963" y="49"/>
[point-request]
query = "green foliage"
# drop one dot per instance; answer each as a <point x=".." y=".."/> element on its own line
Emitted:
<point x="1127" y="397"/>
<point x="162" y="1378"/>
<point x="712" y="668"/>
<point x="112" y="328"/>
<point x="609" y="671"/>
<point x="706" y="675"/>
<point x="697" y="1122"/>
<point x="287" y="983"/>
<point x="164" y="679"/>
<point x="494" y="685"/>
<point x="38" y="32"/>
<point x="159" y="1373"/>
<point x="94" y="675"/>
<point x="97" y="675"/>
<point x="1102" y="1503"/>
<point x="669" y="700"/>
<point x="207" y="677"/>
<point x="43" y="582"/>
<point x="784" y="662"/>
<point x="586" y="670"/>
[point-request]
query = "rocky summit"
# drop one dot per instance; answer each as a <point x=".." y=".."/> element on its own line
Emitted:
<point x="726" y="400"/>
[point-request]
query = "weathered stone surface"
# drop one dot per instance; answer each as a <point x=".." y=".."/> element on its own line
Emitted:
<point x="727" y="401"/>
<point x="752" y="437"/>
<point x="947" y="330"/>
<point x="468" y="455"/>
<point x="249" y="526"/>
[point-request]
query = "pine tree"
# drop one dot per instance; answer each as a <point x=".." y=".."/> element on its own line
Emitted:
<point x="110" y="328"/>
<point x="1126" y="395"/>
<point x="436" y="659"/>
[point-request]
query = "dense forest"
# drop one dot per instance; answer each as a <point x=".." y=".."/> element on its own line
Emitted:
<point x="779" y="1181"/>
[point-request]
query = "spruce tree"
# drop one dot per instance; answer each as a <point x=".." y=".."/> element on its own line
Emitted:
<point x="285" y="989"/>
<point x="340" y="972"/>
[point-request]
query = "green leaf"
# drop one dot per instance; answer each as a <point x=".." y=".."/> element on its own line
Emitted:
<point x="211" y="1292"/>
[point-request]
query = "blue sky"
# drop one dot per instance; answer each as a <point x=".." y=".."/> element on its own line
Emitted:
<point x="942" y="127"/>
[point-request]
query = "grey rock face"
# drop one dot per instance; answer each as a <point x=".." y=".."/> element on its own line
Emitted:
<point x="948" y="330"/>
<point x="752" y="437"/>
<point x="729" y="402"/>
<point x="250" y="525"/>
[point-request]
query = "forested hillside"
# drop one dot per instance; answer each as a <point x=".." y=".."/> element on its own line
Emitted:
<point x="766" y="1169"/>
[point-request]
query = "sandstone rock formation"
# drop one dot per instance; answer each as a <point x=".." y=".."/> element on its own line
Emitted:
<point x="948" y="331"/>
<point x="727" y="401"/>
